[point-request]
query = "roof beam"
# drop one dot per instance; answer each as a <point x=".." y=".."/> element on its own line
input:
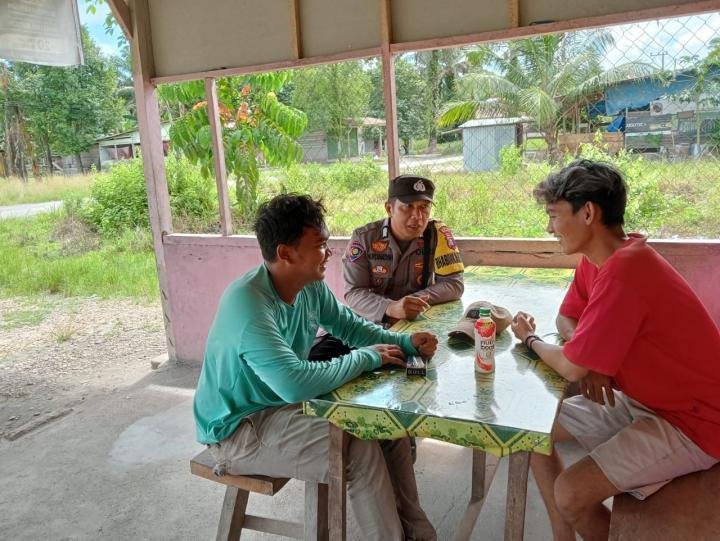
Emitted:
<point x="530" y="29"/>
<point x="551" y="27"/>
<point x="514" y="13"/>
<point x="296" y="33"/>
<point x="121" y="12"/>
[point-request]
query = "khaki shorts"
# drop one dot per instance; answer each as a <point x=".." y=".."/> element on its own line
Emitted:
<point x="636" y="449"/>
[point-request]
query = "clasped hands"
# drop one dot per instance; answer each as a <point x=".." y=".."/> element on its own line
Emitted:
<point x="424" y="342"/>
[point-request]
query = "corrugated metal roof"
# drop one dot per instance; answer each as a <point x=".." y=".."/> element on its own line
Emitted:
<point x="494" y="122"/>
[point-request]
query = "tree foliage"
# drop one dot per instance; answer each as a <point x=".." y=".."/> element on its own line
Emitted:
<point x="440" y="69"/>
<point x="255" y="125"/>
<point x="63" y="110"/>
<point x="334" y="96"/>
<point x="705" y="90"/>
<point x="411" y="108"/>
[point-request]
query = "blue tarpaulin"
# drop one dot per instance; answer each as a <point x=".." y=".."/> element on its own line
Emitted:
<point x="618" y="124"/>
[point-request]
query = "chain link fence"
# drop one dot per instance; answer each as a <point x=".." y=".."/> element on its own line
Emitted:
<point x="645" y="97"/>
<point x="488" y="122"/>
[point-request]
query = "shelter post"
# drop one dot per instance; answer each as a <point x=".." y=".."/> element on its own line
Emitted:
<point x="148" y="115"/>
<point x="388" y="65"/>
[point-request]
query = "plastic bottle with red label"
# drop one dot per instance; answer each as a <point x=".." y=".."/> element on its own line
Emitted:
<point x="485" y="342"/>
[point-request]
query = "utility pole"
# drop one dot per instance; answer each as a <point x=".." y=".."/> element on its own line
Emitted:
<point x="662" y="54"/>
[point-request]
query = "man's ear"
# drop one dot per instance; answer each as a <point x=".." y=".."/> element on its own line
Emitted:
<point x="388" y="207"/>
<point x="284" y="253"/>
<point x="591" y="212"/>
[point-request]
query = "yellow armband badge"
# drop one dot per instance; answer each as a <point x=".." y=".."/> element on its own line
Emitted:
<point x="447" y="256"/>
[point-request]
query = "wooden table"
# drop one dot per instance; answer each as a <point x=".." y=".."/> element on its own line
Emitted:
<point x="507" y="413"/>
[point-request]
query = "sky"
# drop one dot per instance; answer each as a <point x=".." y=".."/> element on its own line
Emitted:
<point x="96" y="27"/>
<point x="658" y="42"/>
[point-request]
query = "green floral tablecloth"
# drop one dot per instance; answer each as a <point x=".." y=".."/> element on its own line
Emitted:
<point x="511" y="410"/>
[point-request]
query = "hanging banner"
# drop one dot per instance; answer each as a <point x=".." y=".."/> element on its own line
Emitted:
<point x="41" y="32"/>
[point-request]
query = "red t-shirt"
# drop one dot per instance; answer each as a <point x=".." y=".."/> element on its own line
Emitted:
<point x="639" y="322"/>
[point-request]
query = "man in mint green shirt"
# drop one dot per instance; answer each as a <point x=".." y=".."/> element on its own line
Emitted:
<point x="256" y="373"/>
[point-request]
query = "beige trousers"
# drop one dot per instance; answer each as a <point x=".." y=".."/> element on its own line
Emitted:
<point x="282" y="442"/>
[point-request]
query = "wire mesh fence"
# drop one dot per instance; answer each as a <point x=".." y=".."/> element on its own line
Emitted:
<point x="488" y="122"/>
<point x="645" y="97"/>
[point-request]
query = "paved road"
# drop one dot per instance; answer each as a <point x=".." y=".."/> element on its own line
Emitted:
<point x="19" y="211"/>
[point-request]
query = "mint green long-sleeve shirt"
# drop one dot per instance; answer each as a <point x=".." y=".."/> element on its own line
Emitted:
<point x="256" y="353"/>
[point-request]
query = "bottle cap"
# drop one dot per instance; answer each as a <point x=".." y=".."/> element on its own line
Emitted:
<point x="484" y="312"/>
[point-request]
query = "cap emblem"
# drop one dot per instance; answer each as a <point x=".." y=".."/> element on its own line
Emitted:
<point x="419" y="186"/>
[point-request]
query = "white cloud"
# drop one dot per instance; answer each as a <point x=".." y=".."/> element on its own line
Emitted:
<point x="108" y="48"/>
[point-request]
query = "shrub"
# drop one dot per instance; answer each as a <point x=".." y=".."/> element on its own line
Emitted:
<point x="353" y="176"/>
<point x="345" y="176"/>
<point x="119" y="200"/>
<point x="192" y="196"/>
<point x="510" y="159"/>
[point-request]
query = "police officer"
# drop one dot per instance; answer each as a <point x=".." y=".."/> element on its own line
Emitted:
<point x="396" y="268"/>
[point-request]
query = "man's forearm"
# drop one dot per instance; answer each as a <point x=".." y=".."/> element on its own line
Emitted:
<point x="445" y="289"/>
<point x="566" y="326"/>
<point x="554" y="357"/>
<point x="367" y="304"/>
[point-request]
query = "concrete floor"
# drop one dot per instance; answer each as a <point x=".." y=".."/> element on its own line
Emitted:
<point x="118" y="468"/>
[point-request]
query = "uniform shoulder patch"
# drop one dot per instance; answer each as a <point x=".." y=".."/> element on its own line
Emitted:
<point x="447" y="255"/>
<point x="354" y="251"/>
<point x="445" y="232"/>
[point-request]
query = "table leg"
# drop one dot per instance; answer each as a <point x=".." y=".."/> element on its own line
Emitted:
<point x="516" y="496"/>
<point x="483" y="472"/>
<point x="336" y="485"/>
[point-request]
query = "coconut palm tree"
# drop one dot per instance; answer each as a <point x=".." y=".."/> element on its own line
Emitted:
<point x="440" y="68"/>
<point x="547" y="78"/>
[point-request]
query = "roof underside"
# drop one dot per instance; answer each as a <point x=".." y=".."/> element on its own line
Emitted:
<point x="191" y="38"/>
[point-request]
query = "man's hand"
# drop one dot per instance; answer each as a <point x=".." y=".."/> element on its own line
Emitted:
<point x="390" y="354"/>
<point x="592" y="385"/>
<point x="523" y="325"/>
<point x="425" y="343"/>
<point x="409" y="307"/>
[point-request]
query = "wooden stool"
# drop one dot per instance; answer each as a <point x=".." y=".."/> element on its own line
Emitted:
<point x="233" y="518"/>
<point x="685" y="508"/>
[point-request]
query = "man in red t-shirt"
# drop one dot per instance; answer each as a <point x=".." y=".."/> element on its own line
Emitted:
<point x="637" y="337"/>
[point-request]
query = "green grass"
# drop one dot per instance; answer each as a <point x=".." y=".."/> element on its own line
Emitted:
<point x="58" y="254"/>
<point x="33" y="263"/>
<point x="666" y="200"/>
<point x="14" y="191"/>
<point x="535" y="144"/>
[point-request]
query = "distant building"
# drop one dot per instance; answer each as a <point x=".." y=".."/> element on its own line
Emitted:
<point x="366" y="137"/>
<point x="483" y="138"/>
<point x="125" y="146"/>
<point x="655" y="115"/>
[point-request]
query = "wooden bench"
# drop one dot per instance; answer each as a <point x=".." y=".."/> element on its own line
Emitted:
<point x="686" y="508"/>
<point x="233" y="518"/>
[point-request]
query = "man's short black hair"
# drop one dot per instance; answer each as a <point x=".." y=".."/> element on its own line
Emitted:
<point x="583" y="181"/>
<point x="283" y="219"/>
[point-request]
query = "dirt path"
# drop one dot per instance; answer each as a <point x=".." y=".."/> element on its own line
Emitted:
<point x="28" y="209"/>
<point x="56" y="352"/>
